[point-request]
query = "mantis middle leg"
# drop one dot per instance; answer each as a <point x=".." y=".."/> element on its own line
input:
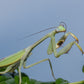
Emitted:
<point x="9" y="68"/>
<point x="24" y="65"/>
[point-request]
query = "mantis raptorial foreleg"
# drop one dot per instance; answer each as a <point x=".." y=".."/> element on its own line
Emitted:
<point x="63" y="38"/>
<point x="53" y="46"/>
<point x="24" y="65"/>
<point x="67" y="48"/>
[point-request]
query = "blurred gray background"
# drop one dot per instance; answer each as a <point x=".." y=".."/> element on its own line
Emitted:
<point x="19" y="18"/>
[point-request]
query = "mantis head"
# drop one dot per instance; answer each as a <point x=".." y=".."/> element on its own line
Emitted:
<point x="61" y="28"/>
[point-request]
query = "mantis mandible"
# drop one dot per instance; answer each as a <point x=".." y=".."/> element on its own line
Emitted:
<point x="19" y="59"/>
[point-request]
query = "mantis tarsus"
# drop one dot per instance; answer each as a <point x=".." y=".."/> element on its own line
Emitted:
<point x="17" y="60"/>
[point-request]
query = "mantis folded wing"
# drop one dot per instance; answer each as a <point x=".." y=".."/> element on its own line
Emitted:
<point x="16" y="61"/>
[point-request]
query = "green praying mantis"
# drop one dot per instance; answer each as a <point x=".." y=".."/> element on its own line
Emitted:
<point x="19" y="59"/>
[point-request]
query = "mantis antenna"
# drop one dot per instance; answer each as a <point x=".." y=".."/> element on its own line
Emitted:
<point x="38" y="32"/>
<point x="61" y="24"/>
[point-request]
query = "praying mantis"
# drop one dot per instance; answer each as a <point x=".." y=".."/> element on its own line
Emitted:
<point x="19" y="59"/>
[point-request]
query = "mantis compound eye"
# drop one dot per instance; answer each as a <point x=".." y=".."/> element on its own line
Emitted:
<point x="63" y="24"/>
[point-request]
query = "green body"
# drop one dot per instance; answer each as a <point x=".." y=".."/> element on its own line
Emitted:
<point x="12" y="59"/>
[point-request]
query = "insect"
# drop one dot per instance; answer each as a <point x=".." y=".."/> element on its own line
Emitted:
<point x="19" y="59"/>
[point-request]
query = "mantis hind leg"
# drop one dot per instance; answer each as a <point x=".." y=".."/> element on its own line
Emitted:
<point x="9" y="68"/>
<point x="67" y="48"/>
<point x="24" y="65"/>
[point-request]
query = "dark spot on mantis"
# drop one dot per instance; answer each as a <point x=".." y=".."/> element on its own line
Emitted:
<point x="60" y="43"/>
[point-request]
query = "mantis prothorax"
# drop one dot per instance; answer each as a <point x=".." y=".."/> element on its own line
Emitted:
<point x="17" y="60"/>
